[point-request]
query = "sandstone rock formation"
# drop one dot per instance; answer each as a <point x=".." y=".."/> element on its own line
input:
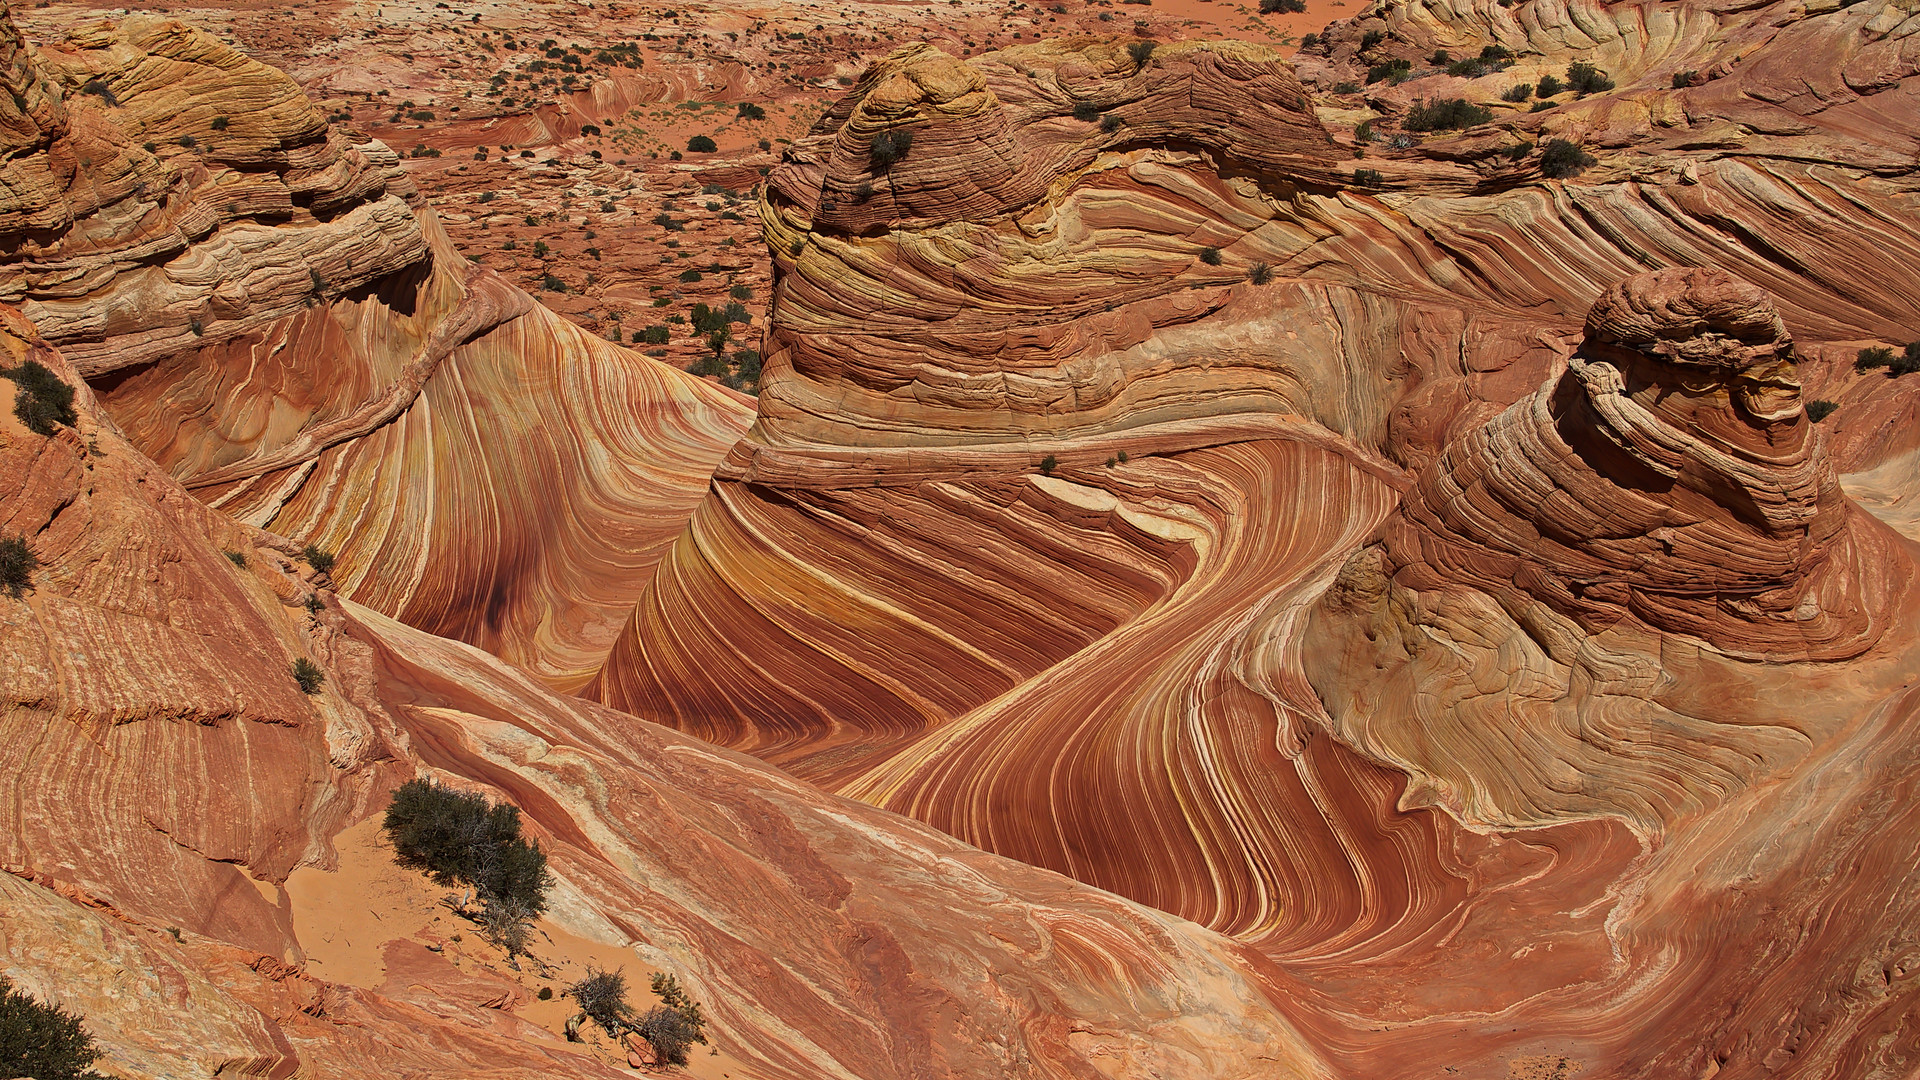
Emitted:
<point x="163" y="776"/>
<point x="271" y="312"/>
<point x="1031" y="536"/>
<point x="1433" y="584"/>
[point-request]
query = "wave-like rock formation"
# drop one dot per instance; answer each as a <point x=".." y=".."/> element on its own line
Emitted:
<point x="271" y="312"/>
<point x="1401" y="583"/>
<point x="162" y="777"/>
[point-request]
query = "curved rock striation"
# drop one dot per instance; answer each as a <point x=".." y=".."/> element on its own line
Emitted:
<point x="271" y="312"/>
<point x="164" y="776"/>
<point x="1403" y="582"/>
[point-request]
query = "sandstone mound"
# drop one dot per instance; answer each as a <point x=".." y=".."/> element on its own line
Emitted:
<point x="1669" y="472"/>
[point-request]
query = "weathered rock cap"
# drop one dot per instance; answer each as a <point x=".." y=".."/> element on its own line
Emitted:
<point x="1694" y="317"/>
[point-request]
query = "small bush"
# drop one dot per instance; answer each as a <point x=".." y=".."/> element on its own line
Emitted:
<point x="1682" y="80"/>
<point x="1210" y="256"/>
<point x="461" y="838"/>
<point x="187" y="141"/>
<point x="1261" y="274"/>
<point x="308" y="675"/>
<point x="1390" y="70"/>
<point x="890" y="146"/>
<point x="1518" y="92"/>
<point x="1282" y="7"/>
<point x="602" y="998"/>
<point x="1371" y="38"/>
<point x="690" y="276"/>
<point x="421" y="115"/>
<point x="317" y="557"/>
<point x="670" y="1034"/>
<point x="1496" y="54"/>
<point x="100" y="90"/>
<point x="17" y="564"/>
<point x="1907" y="361"/>
<point x="1586" y="79"/>
<point x="1549" y="86"/>
<point x="652" y="335"/>
<point x="1440" y="58"/>
<point x="1518" y="151"/>
<point x="1086" y="111"/>
<point x="1366" y="178"/>
<point x="552" y="284"/>
<point x="741" y="292"/>
<point x="219" y="123"/>
<point x="1364" y="132"/>
<point x="546" y="993"/>
<point x="1820" y="410"/>
<point x="1451" y="113"/>
<point x="42" y="1041"/>
<point x="237" y="558"/>
<point x="1110" y="123"/>
<point x="1868" y="359"/>
<point x="747" y="110"/>
<point x="1348" y="87"/>
<point x="701" y="144"/>
<point x="1562" y="159"/>
<point x="41" y="400"/>
<point x="1140" y="52"/>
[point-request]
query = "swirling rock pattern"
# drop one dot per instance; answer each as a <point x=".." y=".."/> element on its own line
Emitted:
<point x="271" y="312"/>
<point x="1495" y="590"/>
<point x="163" y="776"/>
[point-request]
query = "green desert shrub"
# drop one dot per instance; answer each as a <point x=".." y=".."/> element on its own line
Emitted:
<point x="1389" y="71"/>
<point x="1449" y="113"/>
<point x="460" y="838"/>
<point x="1820" y="410"/>
<point x="1907" y="361"/>
<point x="308" y="675"/>
<point x="1518" y="92"/>
<point x="889" y="146"/>
<point x="1140" y="52"/>
<point x="1210" y="256"/>
<point x="1562" y="159"/>
<point x="676" y="1024"/>
<point x="317" y="557"/>
<point x="1583" y="78"/>
<point x="1282" y="7"/>
<point x="1682" y="79"/>
<point x="41" y="400"/>
<point x="17" y="564"/>
<point x="1549" y="86"/>
<point x="1366" y="178"/>
<point x="701" y="144"/>
<point x="1868" y="359"/>
<point x="42" y="1041"/>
